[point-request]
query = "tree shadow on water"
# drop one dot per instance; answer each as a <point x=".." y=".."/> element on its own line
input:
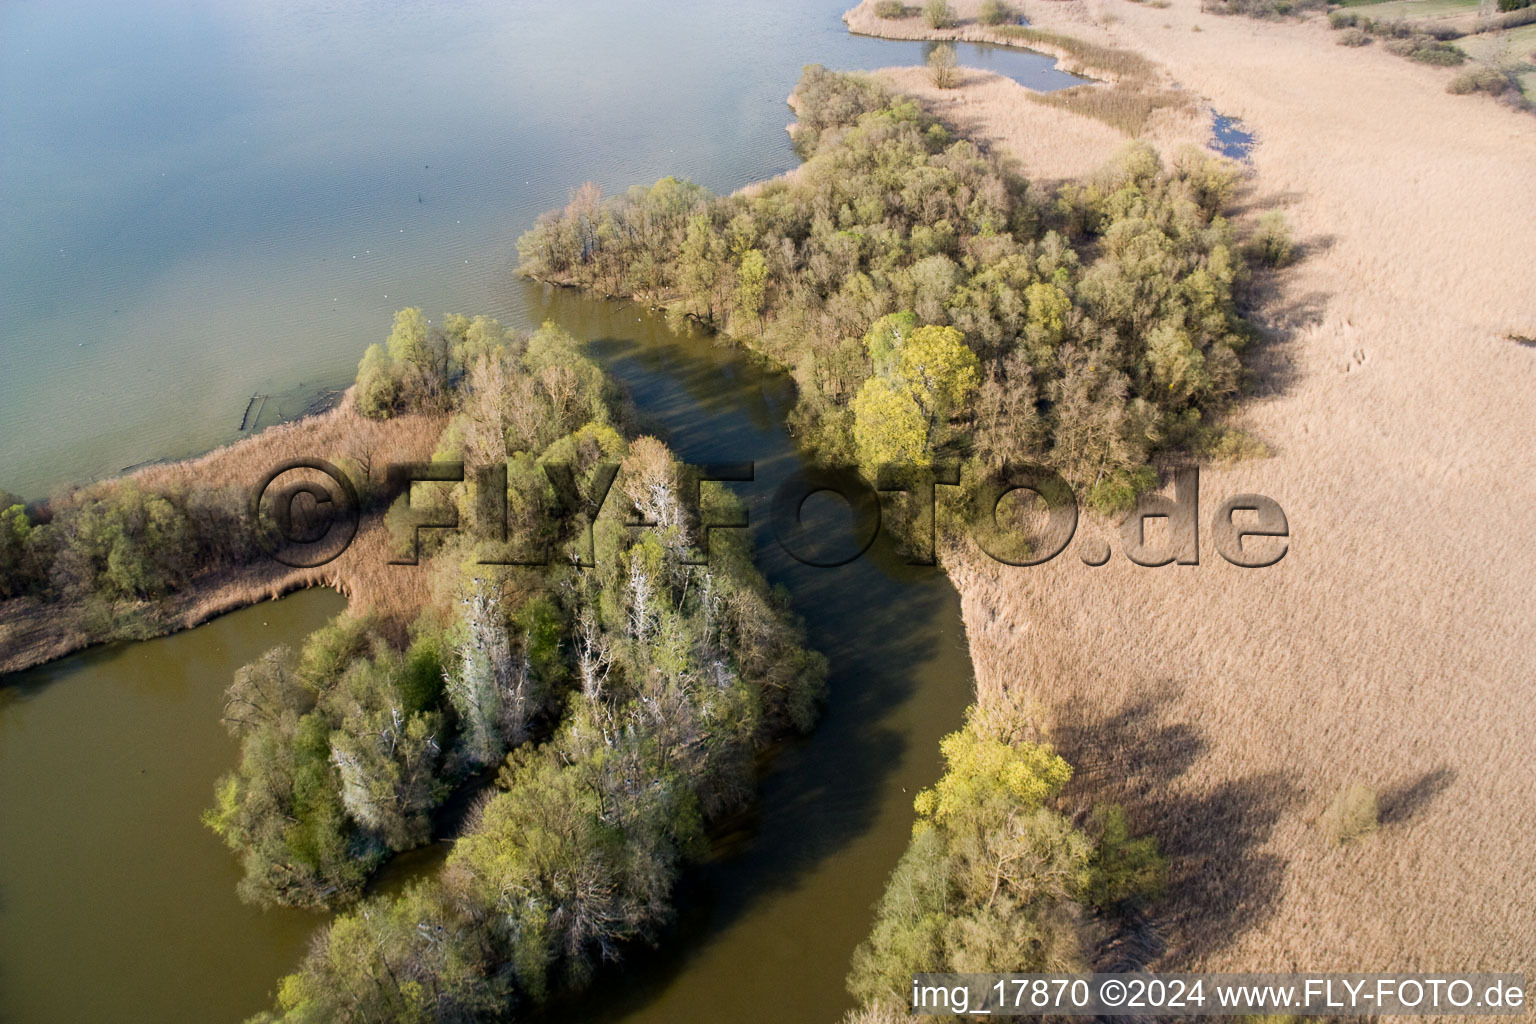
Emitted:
<point x="894" y="644"/>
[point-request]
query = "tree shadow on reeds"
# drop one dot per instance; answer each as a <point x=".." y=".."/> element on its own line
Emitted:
<point x="1221" y="883"/>
<point x="1403" y="801"/>
<point x="1128" y="754"/>
<point x="1278" y="318"/>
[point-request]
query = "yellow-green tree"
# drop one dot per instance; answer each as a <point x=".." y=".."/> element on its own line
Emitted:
<point x="378" y="385"/>
<point x="985" y="772"/>
<point x="15" y="529"/>
<point x="752" y="286"/>
<point x="1048" y="309"/>
<point x="939" y="370"/>
<point x="408" y="339"/>
<point x="888" y="426"/>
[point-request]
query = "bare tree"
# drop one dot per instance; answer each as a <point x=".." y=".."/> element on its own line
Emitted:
<point x="942" y="65"/>
<point x="484" y="677"/>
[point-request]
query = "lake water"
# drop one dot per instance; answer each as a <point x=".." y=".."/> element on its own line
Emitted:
<point x="206" y="203"/>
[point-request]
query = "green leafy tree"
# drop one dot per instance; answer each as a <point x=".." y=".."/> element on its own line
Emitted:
<point x="15" y="531"/>
<point x="378" y="385"/>
<point x="1125" y="868"/>
<point x="407" y="344"/>
<point x="1049" y="308"/>
<point x="282" y="812"/>
<point x="884" y="339"/>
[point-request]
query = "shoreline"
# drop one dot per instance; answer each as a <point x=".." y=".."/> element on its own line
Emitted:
<point x="862" y="21"/>
<point x="1228" y="708"/>
<point x="33" y="632"/>
<point x="1066" y="133"/>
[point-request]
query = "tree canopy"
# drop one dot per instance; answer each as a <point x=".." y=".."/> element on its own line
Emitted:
<point x="1100" y="318"/>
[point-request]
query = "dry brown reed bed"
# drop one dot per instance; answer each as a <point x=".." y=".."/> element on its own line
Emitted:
<point x="1394" y="645"/>
<point x="1050" y="143"/>
<point x="33" y="632"/>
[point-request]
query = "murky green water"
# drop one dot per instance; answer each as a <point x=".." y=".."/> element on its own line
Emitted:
<point x="206" y="203"/>
<point x="116" y="904"/>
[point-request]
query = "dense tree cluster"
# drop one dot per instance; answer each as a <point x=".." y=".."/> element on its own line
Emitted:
<point x="342" y="750"/>
<point x="117" y="542"/>
<point x="1101" y="316"/>
<point x="996" y="879"/>
<point x="420" y="364"/>
<point x="624" y="702"/>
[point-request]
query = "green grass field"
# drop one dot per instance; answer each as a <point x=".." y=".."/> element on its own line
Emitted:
<point x="1416" y="9"/>
<point x="1515" y="45"/>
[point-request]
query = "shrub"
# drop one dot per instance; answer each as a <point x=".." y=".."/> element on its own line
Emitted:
<point x="1524" y="16"/>
<point x="1124" y="869"/>
<point x="1513" y="5"/>
<point x="996" y="12"/>
<point x="938" y="14"/>
<point x="890" y="9"/>
<point x="1232" y="446"/>
<point x="1353" y="813"/>
<point x="1271" y="243"/>
<point x="1116" y="494"/>
<point x="1428" y="51"/>
<point x="1483" y="79"/>
<point x="1444" y="33"/>
<point x="1343" y="19"/>
<point x="1353" y="37"/>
